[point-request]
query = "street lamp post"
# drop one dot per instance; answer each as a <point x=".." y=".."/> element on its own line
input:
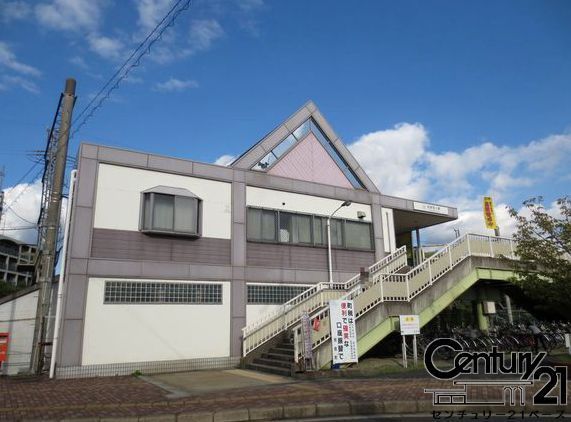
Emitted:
<point x="344" y="204"/>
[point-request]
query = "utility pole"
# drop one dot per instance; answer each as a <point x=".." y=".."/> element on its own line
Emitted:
<point x="48" y="242"/>
<point x="1" y="193"/>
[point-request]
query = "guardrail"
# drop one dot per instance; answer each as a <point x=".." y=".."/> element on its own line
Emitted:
<point x="404" y="287"/>
<point x="311" y="299"/>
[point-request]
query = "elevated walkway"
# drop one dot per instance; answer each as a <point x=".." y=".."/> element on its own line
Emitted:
<point x="426" y="290"/>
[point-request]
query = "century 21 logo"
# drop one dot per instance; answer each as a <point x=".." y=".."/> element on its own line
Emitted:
<point x="525" y="365"/>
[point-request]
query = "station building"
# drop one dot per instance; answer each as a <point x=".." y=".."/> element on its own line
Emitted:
<point x="169" y="259"/>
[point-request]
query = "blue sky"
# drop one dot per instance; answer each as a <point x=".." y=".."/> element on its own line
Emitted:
<point x="441" y="101"/>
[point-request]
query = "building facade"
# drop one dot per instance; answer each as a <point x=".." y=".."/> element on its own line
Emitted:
<point x="168" y="258"/>
<point x="16" y="261"/>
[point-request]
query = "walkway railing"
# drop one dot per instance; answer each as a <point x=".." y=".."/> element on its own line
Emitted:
<point x="311" y="299"/>
<point x="404" y="287"/>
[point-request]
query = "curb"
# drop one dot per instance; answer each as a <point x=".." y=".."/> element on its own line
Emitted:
<point x="339" y="408"/>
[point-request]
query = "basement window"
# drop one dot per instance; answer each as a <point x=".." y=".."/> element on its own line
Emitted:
<point x="168" y="210"/>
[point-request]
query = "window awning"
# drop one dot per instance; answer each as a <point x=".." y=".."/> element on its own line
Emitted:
<point x="169" y="190"/>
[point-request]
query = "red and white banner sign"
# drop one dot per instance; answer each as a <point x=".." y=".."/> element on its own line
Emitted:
<point x="343" y="333"/>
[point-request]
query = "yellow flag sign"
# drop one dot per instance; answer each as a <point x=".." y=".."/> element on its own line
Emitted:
<point x="489" y="214"/>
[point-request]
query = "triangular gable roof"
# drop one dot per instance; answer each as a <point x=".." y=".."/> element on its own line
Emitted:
<point x="255" y="153"/>
<point x="308" y="160"/>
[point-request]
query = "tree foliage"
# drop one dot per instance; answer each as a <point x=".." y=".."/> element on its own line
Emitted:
<point x="544" y="248"/>
<point x="7" y="288"/>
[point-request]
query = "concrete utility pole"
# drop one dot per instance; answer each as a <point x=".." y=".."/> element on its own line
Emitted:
<point x="47" y="259"/>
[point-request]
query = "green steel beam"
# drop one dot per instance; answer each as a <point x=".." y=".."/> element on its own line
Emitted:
<point x="373" y="336"/>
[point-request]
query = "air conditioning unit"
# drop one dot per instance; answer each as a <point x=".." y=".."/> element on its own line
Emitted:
<point x="489" y="307"/>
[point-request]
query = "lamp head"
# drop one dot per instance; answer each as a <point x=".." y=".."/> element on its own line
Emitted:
<point x="346" y="204"/>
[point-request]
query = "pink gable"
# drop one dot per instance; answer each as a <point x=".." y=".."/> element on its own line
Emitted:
<point x="309" y="161"/>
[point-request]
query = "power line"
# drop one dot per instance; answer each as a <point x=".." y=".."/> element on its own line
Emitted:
<point x="128" y="65"/>
<point x="143" y="49"/>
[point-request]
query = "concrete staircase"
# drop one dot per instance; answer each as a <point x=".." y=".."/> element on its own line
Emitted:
<point x="278" y="359"/>
<point x="397" y="289"/>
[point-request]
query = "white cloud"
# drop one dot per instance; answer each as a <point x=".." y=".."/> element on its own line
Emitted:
<point x="8" y="59"/>
<point x="106" y="47"/>
<point x="202" y="34"/>
<point x="7" y="82"/>
<point x="392" y="158"/>
<point x="400" y="162"/>
<point x="79" y="62"/>
<point x="14" y="10"/>
<point x="175" y="85"/>
<point x="70" y="15"/>
<point x="249" y="5"/>
<point x="225" y="159"/>
<point x="151" y="12"/>
<point x="20" y="220"/>
<point x="23" y="213"/>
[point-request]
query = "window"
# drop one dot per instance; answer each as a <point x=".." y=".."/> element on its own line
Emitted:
<point x="272" y="294"/>
<point x="358" y="235"/>
<point x="295" y="228"/>
<point x="304" y="229"/>
<point x="261" y="225"/>
<point x="170" y="210"/>
<point x="149" y="292"/>
<point x="297" y="135"/>
<point x="320" y="231"/>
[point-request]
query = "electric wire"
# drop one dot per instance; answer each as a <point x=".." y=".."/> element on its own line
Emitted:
<point x="127" y="67"/>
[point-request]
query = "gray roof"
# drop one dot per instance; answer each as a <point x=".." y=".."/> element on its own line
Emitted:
<point x="167" y="190"/>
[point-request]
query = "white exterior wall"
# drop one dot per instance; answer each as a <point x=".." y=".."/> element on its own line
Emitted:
<point x="388" y="229"/>
<point x="17" y="318"/>
<point x="295" y="202"/>
<point x="153" y="332"/>
<point x="255" y="312"/>
<point x="118" y="201"/>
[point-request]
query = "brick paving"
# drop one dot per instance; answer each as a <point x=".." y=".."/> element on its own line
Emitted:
<point x="40" y="398"/>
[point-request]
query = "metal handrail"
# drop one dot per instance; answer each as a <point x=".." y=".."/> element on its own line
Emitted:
<point x="312" y="298"/>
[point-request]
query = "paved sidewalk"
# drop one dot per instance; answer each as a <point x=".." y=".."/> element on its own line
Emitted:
<point x="100" y="398"/>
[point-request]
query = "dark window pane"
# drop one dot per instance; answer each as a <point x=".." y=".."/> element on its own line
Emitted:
<point x="301" y="229"/>
<point x="163" y="213"/>
<point x="319" y="231"/>
<point x="186" y="214"/>
<point x="284" y="145"/>
<point x="357" y="235"/>
<point x="147" y="212"/>
<point x="302" y="130"/>
<point x="254" y="224"/>
<point x="336" y="232"/>
<point x="269" y="225"/>
<point x="286" y="223"/>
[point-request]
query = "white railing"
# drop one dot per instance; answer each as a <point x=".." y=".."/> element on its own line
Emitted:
<point x="311" y="299"/>
<point x="391" y="287"/>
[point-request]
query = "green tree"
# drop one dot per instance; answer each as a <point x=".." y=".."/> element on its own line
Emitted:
<point x="544" y="249"/>
<point x="7" y="288"/>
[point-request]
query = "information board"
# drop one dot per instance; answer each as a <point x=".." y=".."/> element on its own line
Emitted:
<point x="409" y="325"/>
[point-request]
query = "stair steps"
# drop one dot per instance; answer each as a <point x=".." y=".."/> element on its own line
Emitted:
<point x="277" y="360"/>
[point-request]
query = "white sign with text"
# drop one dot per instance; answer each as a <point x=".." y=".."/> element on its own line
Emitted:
<point x="343" y="332"/>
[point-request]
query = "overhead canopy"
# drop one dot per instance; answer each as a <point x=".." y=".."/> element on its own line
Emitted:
<point x="410" y="215"/>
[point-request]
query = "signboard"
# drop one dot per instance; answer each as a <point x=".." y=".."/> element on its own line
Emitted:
<point x="422" y="206"/>
<point x="489" y="214"/>
<point x="306" y="335"/>
<point x="3" y="347"/>
<point x="343" y="333"/>
<point x="409" y="325"/>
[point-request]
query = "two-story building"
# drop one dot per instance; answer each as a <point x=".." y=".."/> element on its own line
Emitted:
<point x="168" y="258"/>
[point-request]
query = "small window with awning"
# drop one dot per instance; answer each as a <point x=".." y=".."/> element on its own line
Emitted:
<point x="170" y="210"/>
